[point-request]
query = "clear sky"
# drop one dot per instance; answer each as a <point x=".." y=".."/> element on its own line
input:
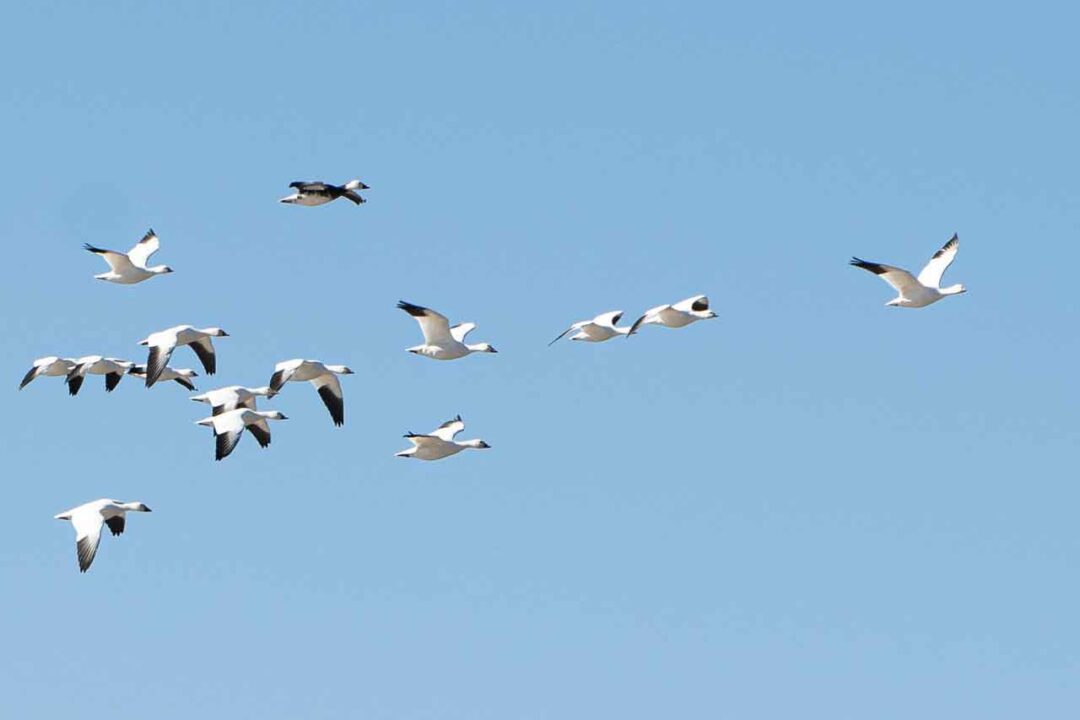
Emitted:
<point x="814" y="506"/>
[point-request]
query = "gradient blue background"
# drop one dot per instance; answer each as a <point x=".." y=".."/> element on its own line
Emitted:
<point x="814" y="506"/>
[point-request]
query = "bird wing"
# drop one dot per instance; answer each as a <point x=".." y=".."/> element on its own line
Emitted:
<point x="436" y="327"/>
<point x="205" y="350"/>
<point x="30" y="375"/>
<point x="648" y="313"/>
<point x="459" y="331"/>
<point x="608" y="319"/>
<point x="282" y="373"/>
<point x="939" y="263"/>
<point x="140" y="254"/>
<point x="87" y="535"/>
<point x="228" y="428"/>
<point x="698" y="303"/>
<point x="309" y="186"/>
<point x="901" y="280"/>
<point x="119" y="262"/>
<point x="158" y="359"/>
<point x="116" y="524"/>
<point x="421" y="440"/>
<point x="575" y="326"/>
<point x="260" y="429"/>
<point x="449" y="429"/>
<point x="329" y="388"/>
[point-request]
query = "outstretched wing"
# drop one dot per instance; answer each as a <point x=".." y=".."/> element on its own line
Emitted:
<point x="205" y="350"/>
<point x="156" y="361"/>
<point x="459" y="331"/>
<point x="901" y="280"/>
<point x="87" y="537"/>
<point x="435" y="326"/>
<point x="575" y="326"/>
<point x="112" y="380"/>
<point x="421" y="440"/>
<point x="280" y="377"/>
<point x="140" y="254"/>
<point x="119" y="262"/>
<point x="608" y="319"/>
<point x="260" y="429"/>
<point x="648" y="313"/>
<point x="329" y="388"/>
<point x="75" y="379"/>
<point x="939" y="263"/>
<point x="449" y="429"/>
<point x="228" y="427"/>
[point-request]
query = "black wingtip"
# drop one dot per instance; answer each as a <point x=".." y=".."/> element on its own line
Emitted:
<point x="90" y="248"/>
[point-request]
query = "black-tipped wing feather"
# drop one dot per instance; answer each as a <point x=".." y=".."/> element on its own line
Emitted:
<point x="185" y="382"/>
<point x="205" y="351"/>
<point x="277" y="380"/>
<point x="261" y="435"/>
<point x="74" y="382"/>
<point x="87" y="549"/>
<point x="112" y="380"/>
<point x="225" y="443"/>
<point x="334" y="404"/>
<point x="116" y="524"/>
<point x="155" y="363"/>
<point x="30" y="375"/>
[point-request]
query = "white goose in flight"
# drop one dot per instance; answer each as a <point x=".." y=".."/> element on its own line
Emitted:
<point x="233" y="397"/>
<point x="677" y="315"/>
<point x="51" y="366"/>
<point x="130" y="267"/>
<point x="88" y="519"/>
<point x="917" y="292"/>
<point x="229" y="426"/>
<point x="323" y="377"/>
<point x="440" y="443"/>
<point x="311" y="194"/>
<point x="182" y="376"/>
<point x="163" y="343"/>
<point x="441" y="341"/>
<point x="600" y="328"/>
<point x="113" y="369"/>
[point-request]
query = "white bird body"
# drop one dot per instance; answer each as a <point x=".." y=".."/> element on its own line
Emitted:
<point x="917" y="292"/>
<point x="440" y="443"/>
<point x="442" y="342"/>
<point x="182" y="376"/>
<point x="87" y="520"/>
<point x="51" y="366"/>
<point x="130" y="267"/>
<point x="676" y="315"/>
<point x="113" y="369"/>
<point x="600" y="328"/>
<point x="163" y="343"/>
<point x="229" y="427"/>
<point x="322" y="377"/>
<point x="233" y="397"/>
<point x="312" y="194"/>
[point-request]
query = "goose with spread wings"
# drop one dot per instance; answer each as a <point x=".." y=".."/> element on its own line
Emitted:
<point x="163" y="343"/>
<point x="440" y="442"/>
<point x="130" y="267"/>
<point x="50" y="366"/>
<point x="441" y="341"/>
<point x="600" y="328"/>
<point x="113" y="369"/>
<point x="676" y="315"/>
<point x="87" y="520"/>
<point x="181" y="376"/>
<point x="917" y="292"/>
<point x="322" y="377"/>
<point x="311" y="194"/>
<point x="233" y="397"/>
<point x="229" y="426"/>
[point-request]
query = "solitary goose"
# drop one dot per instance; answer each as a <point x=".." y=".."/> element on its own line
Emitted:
<point x="917" y="292"/>
<point x="130" y="267"/>
<point x="113" y="369"/>
<point x="229" y="426"/>
<point x="320" y="193"/>
<point x="51" y="366"/>
<point x="182" y="376"/>
<point x="163" y="343"/>
<point x="441" y="341"/>
<point x="440" y="443"/>
<point x="600" y="328"/>
<point x="323" y="377"/>
<point x="232" y="397"/>
<point x="87" y="520"/>
<point x="677" y="315"/>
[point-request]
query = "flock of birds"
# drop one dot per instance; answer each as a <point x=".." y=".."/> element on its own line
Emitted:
<point x="234" y="410"/>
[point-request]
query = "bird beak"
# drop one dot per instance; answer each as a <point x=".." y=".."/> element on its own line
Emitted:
<point x="493" y="350"/>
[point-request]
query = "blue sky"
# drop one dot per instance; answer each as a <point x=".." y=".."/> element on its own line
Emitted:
<point x="812" y="506"/>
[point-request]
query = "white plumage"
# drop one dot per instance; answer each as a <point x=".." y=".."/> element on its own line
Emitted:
<point x="163" y="343"/>
<point x="442" y="342"/>
<point x="600" y="328"/>
<point x="440" y="442"/>
<point x="322" y="377"/>
<point x="130" y="267"/>
<point x="87" y="520"/>
<point x="917" y="292"/>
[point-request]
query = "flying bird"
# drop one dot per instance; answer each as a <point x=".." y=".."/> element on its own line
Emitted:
<point x="88" y="519"/>
<point x="677" y="315"/>
<point x="440" y="443"/>
<point x="229" y="426"/>
<point x="311" y="194"/>
<point x="441" y="341"/>
<point x="233" y="397"/>
<point x="182" y="376"/>
<point x="113" y="369"/>
<point x="917" y="292"/>
<point x="323" y="377"/>
<point x="600" y="328"/>
<point x="163" y="343"/>
<point x="51" y="366"/>
<point x="130" y="267"/>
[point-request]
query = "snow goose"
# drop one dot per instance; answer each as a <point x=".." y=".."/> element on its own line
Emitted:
<point x="229" y="426"/>
<point x="311" y="194"/>
<point x="51" y="366"/>
<point x="182" y="376"/>
<point x="87" y="520"/>
<point x="130" y="267"/>
<point x="600" y="328"/>
<point x="233" y="397"/>
<point x="677" y="315"/>
<point x="163" y="343"/>
<point x="113" y="369"/>
<point x="440" y="443"/>
<point x="441" y="341"/>
<point x="323" y="377"/>
<point x="917" y="292"/>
